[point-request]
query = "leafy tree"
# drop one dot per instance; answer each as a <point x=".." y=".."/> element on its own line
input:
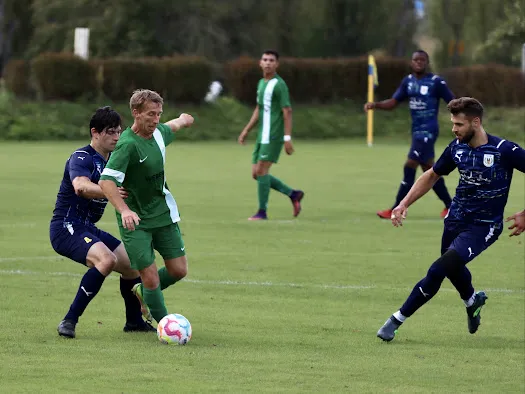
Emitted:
<point x="503" y="44"/>
<point x="15" y="29"/>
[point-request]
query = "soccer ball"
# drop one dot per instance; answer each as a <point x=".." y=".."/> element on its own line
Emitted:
<point x="174" y="329"/>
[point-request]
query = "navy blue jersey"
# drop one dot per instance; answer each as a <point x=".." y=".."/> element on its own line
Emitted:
<point x="485" y="176"/>
<point x="424" y="95"/>
<point x="72" y="208"/>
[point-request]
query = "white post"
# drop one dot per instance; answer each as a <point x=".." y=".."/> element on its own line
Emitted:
<point x="82" y="42"/>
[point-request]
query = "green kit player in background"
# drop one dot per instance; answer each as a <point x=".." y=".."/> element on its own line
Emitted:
<point x="274" y="111"/>
<point x="149" y="217"/>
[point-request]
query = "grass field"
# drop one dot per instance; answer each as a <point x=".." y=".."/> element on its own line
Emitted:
<point x="279" y="306"/>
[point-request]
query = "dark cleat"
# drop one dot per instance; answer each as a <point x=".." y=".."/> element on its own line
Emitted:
<point x="473" y="312"/>
<point x="66" y="328"/>
<point x="389" y="329"/>
<point x="260" y="215"/>
<point x="139" y="327"/>
<point x="296" y="197"/>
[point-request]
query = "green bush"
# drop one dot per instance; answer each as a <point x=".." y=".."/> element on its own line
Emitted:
<point x="17" y="76"/>
<point x="179" y="79"/>
<point x="63" y="76"/>
<point x="120" y="77"/>
<point x="225" y="119"/>
<point x="491" y="84"/>
<point x="318" y="80"/>
<point x="187" y="78"/>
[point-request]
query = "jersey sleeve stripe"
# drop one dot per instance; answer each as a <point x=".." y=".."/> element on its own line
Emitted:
<point x="501" y="142"/>
<point x="119" y="176"/>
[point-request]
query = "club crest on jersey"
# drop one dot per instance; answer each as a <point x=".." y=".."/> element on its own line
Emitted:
<point x="488" y="160"/>
<point x="423" y="90"/>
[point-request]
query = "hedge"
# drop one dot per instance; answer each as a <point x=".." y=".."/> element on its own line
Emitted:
<point x="327" y="80"/>
<point x="185" y="79"/>
<point x="63" y="76"/>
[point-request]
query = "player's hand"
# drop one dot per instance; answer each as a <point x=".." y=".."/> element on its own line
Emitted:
<point x="399" y="214"/>
<point x="123" y="192"/>
<point x="519" y="223"/>
<point x="242" y="137"/>
<point x="129" y="219"/>
<point x="288" y="147"/>
<point x="369" y="106"/>
<point x="186" y="120"/>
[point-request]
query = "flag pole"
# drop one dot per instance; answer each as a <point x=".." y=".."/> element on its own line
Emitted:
<point x="372" y="81"/>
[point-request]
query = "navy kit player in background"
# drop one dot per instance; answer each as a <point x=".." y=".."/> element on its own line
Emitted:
<point x="79" y="206"/>
<point x="424" y="91"/>
<point x="475" y="220"/>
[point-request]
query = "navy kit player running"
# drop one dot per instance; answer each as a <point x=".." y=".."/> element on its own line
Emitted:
<point x="79" y="206"/>
<point x="424" y="91"/>
<point x="475" y="220"/>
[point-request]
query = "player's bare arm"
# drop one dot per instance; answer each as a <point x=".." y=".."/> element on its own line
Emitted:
<point x="89" y="190"/>
<point x="129" y="218"/>
<point x="421" y="187"/>
<point x="387" y="105"/>
<point x="287" y="116"/>
<point x="184" y="120"/>
<point x="518" y="226"/>
<point x="253" y="121"/>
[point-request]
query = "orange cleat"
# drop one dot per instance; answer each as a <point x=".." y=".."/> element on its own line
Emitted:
<point x="444" y="213"/>
<point x="386" y="214"/>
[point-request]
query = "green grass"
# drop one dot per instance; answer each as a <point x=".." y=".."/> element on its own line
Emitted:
<point x="279" y="306"/>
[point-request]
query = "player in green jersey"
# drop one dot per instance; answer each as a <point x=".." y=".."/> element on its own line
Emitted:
<point x="275" y="112"/>
<point x="148" y="219"/>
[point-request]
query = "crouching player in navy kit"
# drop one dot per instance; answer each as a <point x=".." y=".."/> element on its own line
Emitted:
<point x="475" y="221"/>
<point x="79" y="206"/>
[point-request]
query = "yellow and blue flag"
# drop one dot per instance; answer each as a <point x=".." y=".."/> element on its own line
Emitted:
<point x="372" y="70"/>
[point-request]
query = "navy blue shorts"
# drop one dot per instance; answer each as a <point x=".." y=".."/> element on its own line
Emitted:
<point x="74" y="240"/>
<point x="469" y="240"/>
<point x="422" y="150"/>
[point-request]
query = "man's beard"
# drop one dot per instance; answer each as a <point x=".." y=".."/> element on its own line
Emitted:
<point x="468" y="137"/>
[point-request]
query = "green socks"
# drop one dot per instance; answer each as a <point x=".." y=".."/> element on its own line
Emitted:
<point x="263" y="189"/>
<point x="264" y="183"/>
<point x="154" y="298"/>
<point x="277" y="184"/>
<point x="166" y="279"/>
<point x="155" y="301"/>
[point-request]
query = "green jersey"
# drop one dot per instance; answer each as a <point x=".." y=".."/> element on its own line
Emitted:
<point x="272" y="97"/>
<point x="137" y="164"/>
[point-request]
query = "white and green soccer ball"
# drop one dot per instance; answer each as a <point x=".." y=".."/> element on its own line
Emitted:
<point x="174" y="329"/>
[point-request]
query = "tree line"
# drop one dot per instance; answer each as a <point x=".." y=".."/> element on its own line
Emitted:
<point x="467" y="30"/>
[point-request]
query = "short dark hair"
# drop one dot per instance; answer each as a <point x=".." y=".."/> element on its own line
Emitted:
<point x="466" y="105"/>
<point x="104" y="118"/>
<point x="423" y="53"/>
<point x="272" y="52"/>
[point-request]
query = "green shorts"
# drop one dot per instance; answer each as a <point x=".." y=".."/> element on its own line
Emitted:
<point x="142" y="243"/>
<point x="267" y="152"/>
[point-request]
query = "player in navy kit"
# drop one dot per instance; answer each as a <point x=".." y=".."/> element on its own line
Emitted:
<point x="475" y="220"/>
<point x="79" y="206"/>
<point x="424" y="91"/>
